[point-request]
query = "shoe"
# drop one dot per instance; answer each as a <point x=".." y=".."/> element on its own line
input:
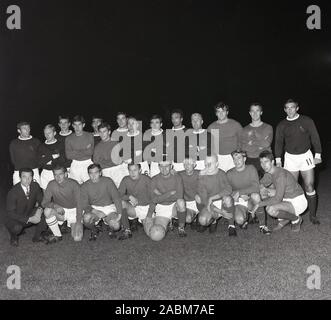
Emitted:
<point x="126" y="234"/>
<point x="252" y="220"/>
<point x="175" y="223"/>
<point x="281" y="224"/>
<point x="171" y="226"/>
<point x="53" y="239"/>
<point x="313" y="219"/>
<point x="213" y="227"/>
<point x="134" y="225"/>
<point x="93" y="236"/>
<point x="181" y="232"/>
<point x="112" y="234"/>
<point x="64" y="228"/>
<point x="232" y="231"/>
<point x="14" y="241"/>
<point x="244" y="226"/>
<point x="99" y="226"/>
<point x="194" y="223"/>
<point x="41" y="238"/>
<point x="201" y="228"/>
<point x="296" y="226"/>
<point x="265" y="230"/>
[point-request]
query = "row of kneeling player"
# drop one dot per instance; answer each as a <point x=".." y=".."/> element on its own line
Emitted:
<point x="169" y="199"/>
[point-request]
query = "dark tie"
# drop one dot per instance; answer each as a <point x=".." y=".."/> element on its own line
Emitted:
<point x="27" y="192"/>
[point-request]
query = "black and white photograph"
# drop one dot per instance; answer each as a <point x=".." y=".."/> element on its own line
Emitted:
<point x="165" y="156"/>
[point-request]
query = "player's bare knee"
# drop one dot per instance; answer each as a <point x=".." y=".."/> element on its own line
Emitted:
<point x="309" y="188"/>
<point x="181" y="205"/>
<point x="157" y="232"/>
<point x="255" y="197"/>
<point x="114" y="225"/>
<point x="48" y="213"/>
<point x="204" y="217"/>
<point x="87" y="218"/>
<point x="271" y="211"/>
<point x="239" y="219"/>
<point x="227" y="201"/>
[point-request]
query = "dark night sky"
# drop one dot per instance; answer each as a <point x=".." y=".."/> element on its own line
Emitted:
<point x="99" y="57"/>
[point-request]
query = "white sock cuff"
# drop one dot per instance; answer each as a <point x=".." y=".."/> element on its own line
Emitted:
<point x="51" y="221"/>
<point x="310" y="194"/>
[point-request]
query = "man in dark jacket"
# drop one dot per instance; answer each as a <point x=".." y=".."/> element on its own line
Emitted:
<point x="23" y="208"/>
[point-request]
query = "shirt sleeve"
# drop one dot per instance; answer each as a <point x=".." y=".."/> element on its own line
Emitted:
<point x="123" y="191"/>
<point x="280" y="185"/>
<point x="12" y="207"/>
<point x="70" y="152"/>
<point x="47" y="199"/>
<point x="115" y="196"/>
<point x="315" y="138"/>
<point x="225" y="185"/>
<point x="279" y="141"/>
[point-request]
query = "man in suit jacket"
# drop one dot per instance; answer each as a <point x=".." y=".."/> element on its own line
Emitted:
<point x="24" y="208"/>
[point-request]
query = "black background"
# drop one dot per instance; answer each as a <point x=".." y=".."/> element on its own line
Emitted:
<point x="145" y="57"/>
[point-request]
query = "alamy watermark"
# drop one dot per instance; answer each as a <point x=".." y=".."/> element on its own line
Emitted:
<point x="14" y="279"/>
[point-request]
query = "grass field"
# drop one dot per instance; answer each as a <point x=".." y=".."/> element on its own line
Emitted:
<point x="201" y="266"/>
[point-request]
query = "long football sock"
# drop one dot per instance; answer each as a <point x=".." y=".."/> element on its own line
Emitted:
<point x="260" y="213"/>
<point x="312" y="203"/>
<point x="125" y="219"/>
<point x="181" y="218"/>
<point x="54" y="226"/>
<point x="286" y="216"/>
<point x="231" y="210"/>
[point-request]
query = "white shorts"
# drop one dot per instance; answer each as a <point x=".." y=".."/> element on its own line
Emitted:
<point x="162" y="210"/>
<point x="107" y="210"/>
<point x="225" y="162"/>
<point x="45" y="177"/>
<point x="78" y="170"/>
<point x="154" y="169"/>
<point x="116" y="173"/>
<point x="299" y="203"/>
<point x="192" y="205"/>
<point x="200" y="165"/>
<point x="36" y="176"/>
<point x="299" y="162"/>
<point x="178" y="166"/>
<point x="218" y="204"/>
<point x="241" y="202"/>
<point x="141" y="212"/>
<point x="69" y="216"/>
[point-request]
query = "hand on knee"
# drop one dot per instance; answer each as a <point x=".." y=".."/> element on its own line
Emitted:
<point x="271" y="212"/>
<point x="49" y="213"/>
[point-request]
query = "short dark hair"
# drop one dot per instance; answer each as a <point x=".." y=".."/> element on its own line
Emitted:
<point x="156" y="116"/>
<point x="25" y="170"/>
<point x="78" y="118"/>
<point x="104" y="124"/>
<point x="121" y="113"/>
<point x="21" y="124"/>
<point x="267" y="154"/>
<point x="238" y="151"/>
<point x="64" y="117"/>
<point x="134" y="164"/>
<point x="256" y="104"/>
<point x="179" y="111"/>
<point x="93" y="166"/>
<point x="291" y="101"/>
<point x="59" y="167"/>
<point x="95" y="117"/>
<point x="221" y="105"/>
